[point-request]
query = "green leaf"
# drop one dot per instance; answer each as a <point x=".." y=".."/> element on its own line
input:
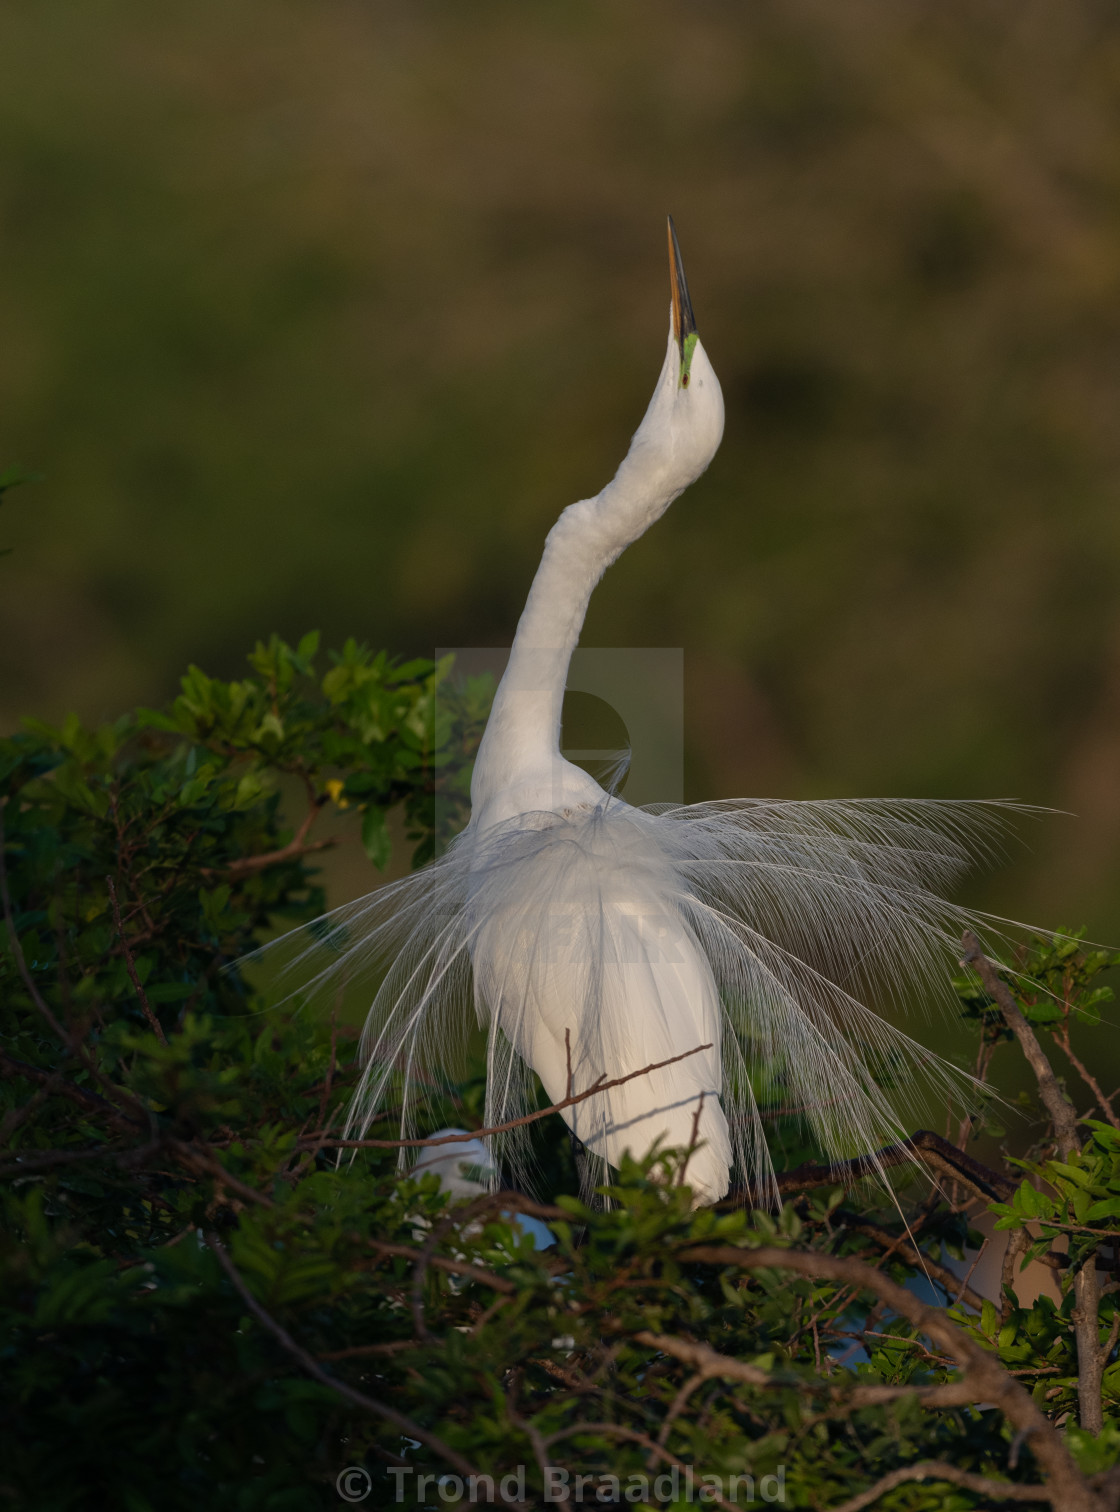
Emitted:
<point x="1108" y="1208"/>
<point x="1077" y="1174"/>
<point x="375" y="837"/>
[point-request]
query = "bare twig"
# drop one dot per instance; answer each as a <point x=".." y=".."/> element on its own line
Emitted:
<point x="1018" y="1242"/>
<point x="966" y="1291"/>
<point x="709" y="1364"/>
<point x="536" y="1440"/>
<point x="925" y="1146"/>
<point x="1061" y="1110"/>
<point x="1066" y="1486"/>
<point x="43" y="1161"/>
<point x="290" y="852"/>
<point x="679" y="1402"/>
<point x="900" y="1245"/>
<point x="601" y="1085"/>
<point x="359" y="1351"/>
<point x="457" y="1217"/>
<point x="983" y="1485"/>
<point x="485" y="1315"/>
<point x="71" y="1043"/>
<point x="196" y="1158"/>
<point x="452" y="1267"/>
<point x="693" y="1141"/>
<point x="1063" y="1115"/>
<point x="157" y="1027"/>
<point x="1103" y="1102"/>
<point x="17" y="949"/>
<point x="311" y="1365"/>
<point x="634" y="1436"/>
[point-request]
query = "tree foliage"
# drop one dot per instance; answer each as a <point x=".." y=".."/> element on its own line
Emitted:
<point x="202" y="1307"/>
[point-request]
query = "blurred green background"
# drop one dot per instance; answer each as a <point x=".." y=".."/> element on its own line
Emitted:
<point x="318" y="314"/>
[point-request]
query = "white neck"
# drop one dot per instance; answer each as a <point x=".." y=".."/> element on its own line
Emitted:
<point x="520" y="752"/>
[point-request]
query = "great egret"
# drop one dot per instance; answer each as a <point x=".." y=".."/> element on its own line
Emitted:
<point x="590" y="938"/>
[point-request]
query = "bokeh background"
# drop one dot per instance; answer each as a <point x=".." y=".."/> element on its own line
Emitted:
<point x="315" y="315"/>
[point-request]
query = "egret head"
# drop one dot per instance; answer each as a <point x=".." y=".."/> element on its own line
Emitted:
<point x="683" y="425"/>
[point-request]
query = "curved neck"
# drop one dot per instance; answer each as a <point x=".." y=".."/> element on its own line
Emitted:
<point x="519" y="757"/>
<point x="523" y="732"/>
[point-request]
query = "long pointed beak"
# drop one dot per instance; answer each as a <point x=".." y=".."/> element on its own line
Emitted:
<point x="684" y="323"/>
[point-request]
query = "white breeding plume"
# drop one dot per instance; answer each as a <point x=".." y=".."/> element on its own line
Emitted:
<point x="590" y="938"/>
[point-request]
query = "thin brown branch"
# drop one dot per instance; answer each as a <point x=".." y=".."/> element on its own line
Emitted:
<point x="308" y="1363"/>
<point x="1103" y="1102"/>
<point x="924" y="1146"/>
<point x="290" y="852"/>
<point x="706" y="1362"/>
<point x="990" y="1381"/>
<point x="1063" y="1115"/>
<point x="966" y="1291"/>
<point x="634" y="1436"/>
<point x="900" y="1245"/>
<point x="359" y="1351"/>
<point x="485" y="1315"/>
<point x="17" y="948"/>
<point x="130" y="966"/>
<point x="709" y="1364"/>
<point x="602" y="1085"/>
<point x="536" y="1440"/>
<point x="693" y="1141"/>
<point x="452" y="1267"/>
<point x="1018" y="1242"/>
<point x="1062" y="1112"/>
<point x="982" y="1485"/>
<point x="23" y="1111"/>
<point x="457" y="1217"/>
<point x="23" y="1165"/>
<point x="195" y="1159"/>
<point x="71" y="1043"/>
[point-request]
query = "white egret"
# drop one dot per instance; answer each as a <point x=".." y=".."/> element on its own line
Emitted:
<point x="590" y="938"/>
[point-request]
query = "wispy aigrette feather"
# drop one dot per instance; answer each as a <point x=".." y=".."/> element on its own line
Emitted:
<point x="589" y="938"/>
<point x="801" y="910"/>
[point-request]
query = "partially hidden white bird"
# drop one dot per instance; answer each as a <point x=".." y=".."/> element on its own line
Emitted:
<point x="589" y="938"/>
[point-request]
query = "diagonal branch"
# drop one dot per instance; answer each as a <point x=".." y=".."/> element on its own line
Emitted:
<point x="1063" y="1115"/>
<point x="602" y="1085"/>
<point x="633" y="1436"/>
<point x="982" y="1485"/>
<point x="1066" y="1486"/>
<point x="295" y="848"/>
<point x="308" y="1363"/>
<point x="960" y="1291"/>
<point x="930" y="1149"/>
<point x="1061" y="1110"/>
<point x="130" y="965"/>
<point x="71" y="1043"/>
<point x="709" y="1364"/>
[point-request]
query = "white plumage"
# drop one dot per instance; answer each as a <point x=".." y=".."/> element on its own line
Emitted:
<point x="753" y="927"/>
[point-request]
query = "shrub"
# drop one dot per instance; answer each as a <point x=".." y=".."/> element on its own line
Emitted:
<point x="202" y="1308"/>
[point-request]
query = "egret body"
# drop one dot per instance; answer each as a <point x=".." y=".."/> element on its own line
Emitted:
<point x="607" y="980"/>
<point x="590" y="938"/>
